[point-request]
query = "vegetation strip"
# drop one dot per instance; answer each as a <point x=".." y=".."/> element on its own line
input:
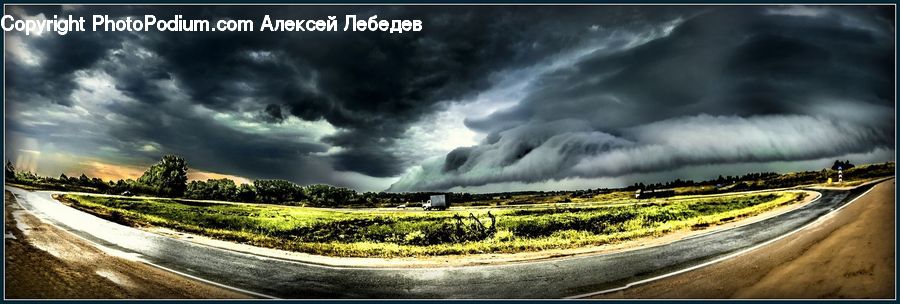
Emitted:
<point x="168" y="178"/>
<point x="391" y="233"/>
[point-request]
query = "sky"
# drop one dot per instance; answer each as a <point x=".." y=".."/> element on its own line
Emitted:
<point x="483" y="99"/>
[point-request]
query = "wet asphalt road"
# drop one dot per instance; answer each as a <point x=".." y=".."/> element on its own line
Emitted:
<point x="543" y="279"/>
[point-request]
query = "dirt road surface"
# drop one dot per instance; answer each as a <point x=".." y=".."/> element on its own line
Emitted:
<point x="45" y="262"/>
<point x="848" y="255"/>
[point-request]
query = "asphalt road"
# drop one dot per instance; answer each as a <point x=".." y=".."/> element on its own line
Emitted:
<point x="556" y="278"/>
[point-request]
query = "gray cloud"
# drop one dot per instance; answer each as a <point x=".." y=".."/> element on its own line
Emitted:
<point x="371" y="86"/>
<point x="338" y="107"/>
<point x="572" y="149"/>
<point x="725" y="62"/>
<point x="725" y="86"/>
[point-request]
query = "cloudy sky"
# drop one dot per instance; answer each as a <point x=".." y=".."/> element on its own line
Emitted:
<point x="482" y="99"/>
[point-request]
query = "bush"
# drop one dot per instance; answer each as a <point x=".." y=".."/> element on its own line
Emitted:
<point x="504" y="236"/>
<point x="414" y="238"/>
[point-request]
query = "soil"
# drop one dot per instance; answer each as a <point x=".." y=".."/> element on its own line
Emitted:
<point x="850" y="254"/>
<point x="45" y="262"/>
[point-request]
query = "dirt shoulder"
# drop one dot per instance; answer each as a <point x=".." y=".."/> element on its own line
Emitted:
<point x="45" y="262"/>
<point x="848" y="255"/>
<point x="475" y="259"/>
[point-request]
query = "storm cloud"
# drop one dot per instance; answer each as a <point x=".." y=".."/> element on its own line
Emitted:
<point x="550" y="92"/>
<point x="725" y="86"/>
<point x="571" y="148"/>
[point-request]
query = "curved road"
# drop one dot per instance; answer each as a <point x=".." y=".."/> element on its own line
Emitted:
<point x="557" y="278"/>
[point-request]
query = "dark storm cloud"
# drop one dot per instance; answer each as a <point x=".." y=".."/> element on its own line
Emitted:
<point x="273" y="113"/>
<point x="222" y="100"/>
<point x="726" y="86"/>
<point x="186" y="134"/>
<point x="562" y="149"/>
<point x="726" y="62"/>
<point x="371" y="86"/>
<point x="52" y="81"/>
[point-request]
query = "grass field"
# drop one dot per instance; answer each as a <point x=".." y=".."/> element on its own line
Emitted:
<point x="396" y="233"/>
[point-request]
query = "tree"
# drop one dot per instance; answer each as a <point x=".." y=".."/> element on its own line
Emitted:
<point x="212" y="189"/>
<point x="10" y="171"/>
<point x="246" y="193"/>
<point x="168" y="177"/>
<point x="196" y="190"/>
<point x="329" y="196"/>
<point x="844" y="165"/>
<point x="275" y="191"/>
<point x="222" y="189"/>
<point x="118" y="187"/>
<point x="84" y="180"/>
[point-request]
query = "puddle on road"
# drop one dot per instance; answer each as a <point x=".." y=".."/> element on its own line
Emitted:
<point x="41" y="237"/>
<point x="19" y="217"/>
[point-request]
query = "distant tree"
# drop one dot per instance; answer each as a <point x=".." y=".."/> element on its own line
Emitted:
<point x="118" y="187"/>
<point x="168" y="177"/>
<point x="844" y="165"/>
<point x="223" y="189"/>
<point x="246" y="193"/>
<point x="327" y="195"/>
<point x="99" y="184"/>
<point x="276" y="191"/>
<point x="214" y="189"/>
<point x="195" y="190"/>
<point x="84" y="180"/>
<point x="26" y="177"/>
<point x="10" y="171"/>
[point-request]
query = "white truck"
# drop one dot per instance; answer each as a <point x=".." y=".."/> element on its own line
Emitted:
<point x="437" y="202"/>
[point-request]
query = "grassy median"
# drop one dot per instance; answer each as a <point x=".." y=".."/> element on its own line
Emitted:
<point x="396" y="233"/>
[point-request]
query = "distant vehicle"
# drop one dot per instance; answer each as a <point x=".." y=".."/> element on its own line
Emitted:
<point x="437" y="202"/>
<point x="639" y="194"/>
<point x="127" y="193"/>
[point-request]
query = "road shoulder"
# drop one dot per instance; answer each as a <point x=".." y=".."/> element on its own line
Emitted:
<point x="849" y="254"/>
<point x="45" y="262"/>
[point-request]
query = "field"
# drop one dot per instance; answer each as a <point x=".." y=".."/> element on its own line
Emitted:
<point x="397" y="233"/>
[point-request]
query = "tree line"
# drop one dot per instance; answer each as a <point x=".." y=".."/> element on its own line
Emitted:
<point x="168" y="178"/>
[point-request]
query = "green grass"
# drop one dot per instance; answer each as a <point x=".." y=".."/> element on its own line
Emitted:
<point x="394" y="233"/>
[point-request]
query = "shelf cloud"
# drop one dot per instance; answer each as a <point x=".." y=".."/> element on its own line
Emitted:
<point x="571" y="148"/>
<point x="726" y="86"/>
